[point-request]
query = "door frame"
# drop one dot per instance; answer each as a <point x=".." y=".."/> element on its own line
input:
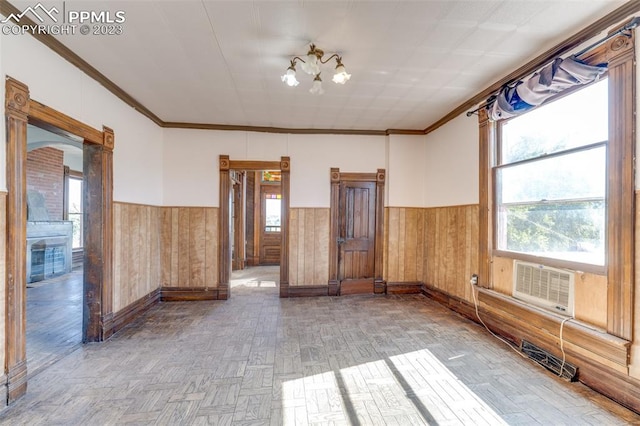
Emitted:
<point x="97" y="308"/>
<point x="225" y="165"/>
<point x="379" y="285"/>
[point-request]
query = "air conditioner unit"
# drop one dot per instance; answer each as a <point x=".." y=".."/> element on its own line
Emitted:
<point x="546" y="287"/>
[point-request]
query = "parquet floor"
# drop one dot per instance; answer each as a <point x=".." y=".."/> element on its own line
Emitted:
<point x="54" y="319"/>
<point x="259" y="360"/>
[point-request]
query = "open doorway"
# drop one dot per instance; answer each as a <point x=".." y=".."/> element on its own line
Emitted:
<point x="97" y="168"/>
<point x="254" y="211"/>
<point x="257" y="226"/>
<point x="54" y="252"/>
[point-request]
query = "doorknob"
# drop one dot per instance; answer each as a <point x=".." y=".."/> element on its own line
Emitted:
<point x="341" y="240"/>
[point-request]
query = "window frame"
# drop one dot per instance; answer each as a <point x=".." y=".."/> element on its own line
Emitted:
<point x="497" y="164"/>
<point x="619" y="53"/>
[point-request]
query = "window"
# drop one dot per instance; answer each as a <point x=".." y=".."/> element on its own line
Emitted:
<point x="551" y="176"/>
<point x="75" y="210"/>
<point x="273" y="207"/>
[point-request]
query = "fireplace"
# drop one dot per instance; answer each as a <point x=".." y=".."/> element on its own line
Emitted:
<point x="48" y="249"/>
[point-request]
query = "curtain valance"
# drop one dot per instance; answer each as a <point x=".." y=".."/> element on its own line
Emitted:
<point x="560" y="75"/>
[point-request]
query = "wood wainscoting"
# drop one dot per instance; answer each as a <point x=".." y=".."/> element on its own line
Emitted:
<point x="309" y="247"/>
<point x="137" y="252"/>
<point x="189" y="251"/>
<point x="437" y="246"/>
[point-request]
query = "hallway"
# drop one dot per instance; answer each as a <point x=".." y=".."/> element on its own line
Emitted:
<point x="257" y="359"/>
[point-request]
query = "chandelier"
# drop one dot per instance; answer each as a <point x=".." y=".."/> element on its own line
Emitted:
<point x="311" y="66"/>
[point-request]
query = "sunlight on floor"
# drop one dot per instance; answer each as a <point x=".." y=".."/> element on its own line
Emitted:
<point x="412" y="388"/>
<point x="252" y="283"/>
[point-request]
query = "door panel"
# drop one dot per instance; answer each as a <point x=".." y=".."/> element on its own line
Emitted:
<point x="357" y="236"/>
<point x="270" y="225"/>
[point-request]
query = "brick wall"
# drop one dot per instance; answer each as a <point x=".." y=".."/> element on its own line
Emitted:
<point x="45" y="174"/>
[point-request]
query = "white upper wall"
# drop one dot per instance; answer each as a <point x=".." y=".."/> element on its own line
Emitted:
<point x="451" y="163"/>
<point x="406" y="168"/>
<point x="312" y="157"/>
<point x="191" y="173"/>
<point x="137" y="158"/>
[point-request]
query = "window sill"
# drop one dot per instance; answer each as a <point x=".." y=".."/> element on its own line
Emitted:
<point x="554" y="263"/>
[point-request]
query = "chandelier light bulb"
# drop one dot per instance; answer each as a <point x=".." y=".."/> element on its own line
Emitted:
<point x="290" y="77"/>
<point x="341" y="76"/>
<point x="316" y="88"/>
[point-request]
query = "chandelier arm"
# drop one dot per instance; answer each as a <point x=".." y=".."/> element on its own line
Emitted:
<point x="299" y="59"/>
<point x="335" y="55"/>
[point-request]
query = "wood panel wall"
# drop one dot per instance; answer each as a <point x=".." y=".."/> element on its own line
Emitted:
<point x="404" y="247"/>
<point x="136" y="252"/>
<point x="451" y="253"/>
<point x="309" y="246"/>
<point x="190" y="243"/>
<point x="436" y="246"/>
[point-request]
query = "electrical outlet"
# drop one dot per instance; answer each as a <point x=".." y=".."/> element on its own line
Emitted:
<point x="474" y="279"/>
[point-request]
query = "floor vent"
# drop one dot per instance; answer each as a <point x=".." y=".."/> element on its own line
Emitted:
<point x="550" y="362"/>
<point x="546" y="287"/>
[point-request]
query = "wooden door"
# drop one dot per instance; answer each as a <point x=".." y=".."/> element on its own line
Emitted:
<point x="356" y="238"/>
<point x="270" y="224"/>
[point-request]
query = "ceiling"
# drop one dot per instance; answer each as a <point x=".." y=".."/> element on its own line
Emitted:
<point x="411" y="62"/>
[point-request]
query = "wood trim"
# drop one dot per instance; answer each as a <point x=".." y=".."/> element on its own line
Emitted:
<point x="285" y="193"/>
<point x="378" y="267"/>
<point x="55" y="121"/>
<point x="224" y="251"/>
<point x="559" y="49"/>
<point x="485" y="220"/>
<point x="107" y="231"/>
<point x="360" y="177"/>
<point x="620" y="188"/>
<point x="289" y="130"/>
<point x="249" y="165"/>
<point x="16" y="116"/>
<point x="190" y="294"/>
<point x="545" y="326"/>
<point x="127" y="315"/>
<point x="404" y="287"/>
<point x="334" y="209"/>
<point x="308" y="291"/>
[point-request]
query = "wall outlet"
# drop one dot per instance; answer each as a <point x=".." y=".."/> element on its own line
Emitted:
<point x="474" y="279"/>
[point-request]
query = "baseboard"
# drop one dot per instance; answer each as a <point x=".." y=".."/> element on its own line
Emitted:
<point x="132" y="311"/>
<point x="179" y="294"/>
<point x="608" y="381"/>
<point x="308" y="290"/>
<point x="404" y="287"/>
<point x="16" y="382"/>
<point x="3" y="391"/>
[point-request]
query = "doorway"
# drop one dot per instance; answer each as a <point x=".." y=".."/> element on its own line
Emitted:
<point x="265" y="207"/>
<point x="355" y="258"/>
<point x="97" y="147"/>
<point x="54" y="258"/>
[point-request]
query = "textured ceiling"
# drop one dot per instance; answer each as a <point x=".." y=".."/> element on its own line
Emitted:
<point x="411" y="61"/>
